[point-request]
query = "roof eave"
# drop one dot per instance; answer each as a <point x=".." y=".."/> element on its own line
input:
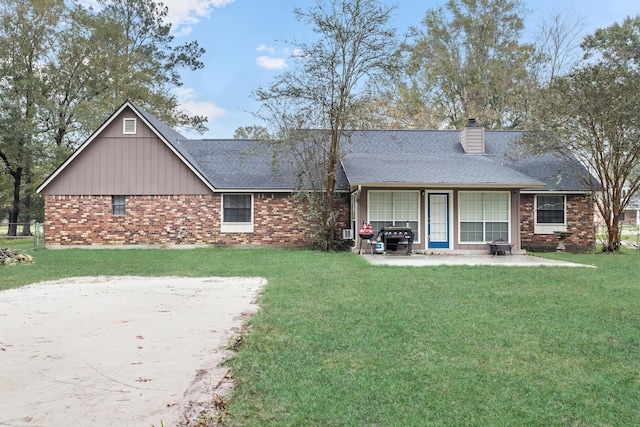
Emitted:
<point x="445" y="184"/>
<point x="529" y="190"/>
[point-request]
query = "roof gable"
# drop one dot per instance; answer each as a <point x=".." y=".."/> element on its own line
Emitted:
<point x="129" y="162"/>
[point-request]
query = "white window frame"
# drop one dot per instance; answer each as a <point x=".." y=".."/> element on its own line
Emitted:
<point x="126" y="121"/>
<point x="398" y="222"/>
<point x="484" y="219"/>
<point x="353" y="205"/>
<point x="236" y="227"/>
<point x="548" y="228"/>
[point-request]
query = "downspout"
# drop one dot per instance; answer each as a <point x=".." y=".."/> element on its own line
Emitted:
<point x="357" y="215"/>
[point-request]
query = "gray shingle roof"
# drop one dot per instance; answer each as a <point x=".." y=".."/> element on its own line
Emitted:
<point x="402" y="157"/>
<point x="432" y="157"/>
<point x="239" y="164"/>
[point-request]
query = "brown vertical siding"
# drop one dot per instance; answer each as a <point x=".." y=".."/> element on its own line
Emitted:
<point x="118" y="164"/>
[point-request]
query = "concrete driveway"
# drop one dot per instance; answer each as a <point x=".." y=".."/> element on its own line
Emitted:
<point x="118" y="351"/>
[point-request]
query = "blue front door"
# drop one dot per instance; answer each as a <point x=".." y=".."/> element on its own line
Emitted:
<point x="438" y="220"/>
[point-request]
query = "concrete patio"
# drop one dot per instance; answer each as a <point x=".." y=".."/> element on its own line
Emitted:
<point x="516" y="260"/>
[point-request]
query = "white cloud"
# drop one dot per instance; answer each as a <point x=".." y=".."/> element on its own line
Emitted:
<point x="273" y="60"/>
<point x="183" y="14"/>
<point x="265" y="48"/>
<point x="271" y="63"/>
<point x="190" y="105"/>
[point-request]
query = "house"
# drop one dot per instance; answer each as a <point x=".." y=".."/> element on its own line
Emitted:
<point x="631" y="214"/>
<point x="136" y="181"/>
<point x="459" y="190"/>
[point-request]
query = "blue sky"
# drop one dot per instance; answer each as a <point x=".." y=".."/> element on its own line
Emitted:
<point x="246" y="45"/>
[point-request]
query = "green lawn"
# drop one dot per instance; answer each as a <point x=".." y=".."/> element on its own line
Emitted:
<point x="340" y="342"/>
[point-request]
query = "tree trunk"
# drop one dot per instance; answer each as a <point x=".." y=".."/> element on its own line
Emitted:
<point x="331" y="185"/>
<point x="14" y="214"/>
<point x="25" y="218"/>
<point x="613" y="236"/>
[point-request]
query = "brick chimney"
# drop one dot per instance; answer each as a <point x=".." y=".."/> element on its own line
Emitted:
<point x="472" y="138"/>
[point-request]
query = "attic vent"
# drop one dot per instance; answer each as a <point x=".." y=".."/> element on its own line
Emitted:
<point x="129" y="126"/>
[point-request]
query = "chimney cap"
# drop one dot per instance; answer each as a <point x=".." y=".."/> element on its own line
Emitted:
<point x="471" y="123"/>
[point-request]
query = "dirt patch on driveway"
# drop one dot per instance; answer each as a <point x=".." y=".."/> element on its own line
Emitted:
<point x="117" y="351"/>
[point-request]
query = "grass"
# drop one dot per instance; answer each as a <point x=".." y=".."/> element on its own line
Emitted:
<point x="340" y="342"/>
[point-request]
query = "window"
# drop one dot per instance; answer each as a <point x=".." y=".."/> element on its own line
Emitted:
<point x="484" y="217"/>
<point x="118" y="205"/>
<point x="550" y="209"/>
<point x="550" y="214"/>
<point x="129" y="126"/>
<point x="237" y="213"/>
<point x="397" y="208"/>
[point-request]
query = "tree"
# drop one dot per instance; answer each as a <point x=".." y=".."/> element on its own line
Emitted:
<point x="558" y="46"/>
<point x="256" y="132"/>
<point x="592" y="113"/>
<point x="468" y="62"/>
<point x="26" y="41"/>
<point x="354" y="44"/>
<point x="139" y="60"/>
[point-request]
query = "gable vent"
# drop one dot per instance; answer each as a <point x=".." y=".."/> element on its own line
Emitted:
<point x="129" y="126"/>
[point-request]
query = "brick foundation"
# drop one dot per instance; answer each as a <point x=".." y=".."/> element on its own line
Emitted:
<point x="579" y="221"/>
<point x="173" y="220"/>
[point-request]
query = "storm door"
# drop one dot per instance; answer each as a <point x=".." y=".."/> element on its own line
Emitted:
<point x="438" y="220"/>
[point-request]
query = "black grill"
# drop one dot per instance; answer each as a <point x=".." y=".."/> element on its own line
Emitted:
<point x="393" y="236"/>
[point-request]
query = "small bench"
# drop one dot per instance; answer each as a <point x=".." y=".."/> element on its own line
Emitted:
<point x="498" y="246"/>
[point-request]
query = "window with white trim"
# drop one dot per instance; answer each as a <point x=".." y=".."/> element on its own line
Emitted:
<point x="397" y="208"/>
<point x="237" y="213"/>
<point x="550" y="214"/>
<point x="484" y="216"/>
<point x="129" y="126"/>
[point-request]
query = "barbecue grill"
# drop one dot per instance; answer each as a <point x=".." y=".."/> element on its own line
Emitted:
<point x="366" y="233"/>
<point x="393" y="236"/>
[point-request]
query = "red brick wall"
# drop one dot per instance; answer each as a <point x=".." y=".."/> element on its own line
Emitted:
<point x="579" y="221"/>
<point x="166" y="220"/>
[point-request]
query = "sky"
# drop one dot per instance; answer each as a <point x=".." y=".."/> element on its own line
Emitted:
<point x="246" y="43"/>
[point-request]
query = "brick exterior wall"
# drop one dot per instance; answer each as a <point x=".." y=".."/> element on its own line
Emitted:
<point x="174" y="220"/>
<point x="579" y="221"/>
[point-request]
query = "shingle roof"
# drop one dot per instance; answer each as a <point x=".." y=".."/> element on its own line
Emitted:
<point x="238" y="164"/>
<point x="557" y="172"/>
<point x="401" y="157"/>
<point x="232" y="164"/>
<point x="434" y="157"/>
